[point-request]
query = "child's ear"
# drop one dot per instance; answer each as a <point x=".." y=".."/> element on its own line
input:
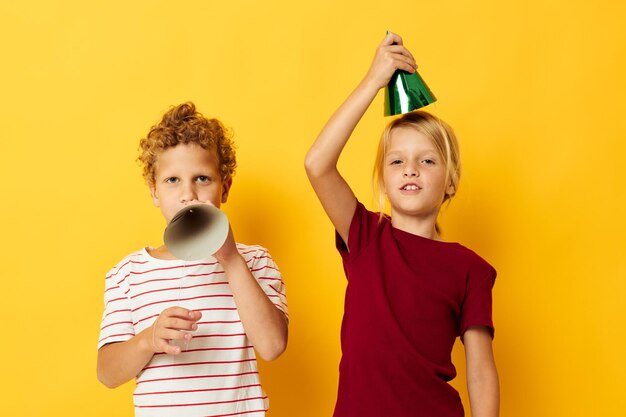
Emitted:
<point x="226" y="189"/>
<point x="451" y="190"/>
<point x="155" y="198"/>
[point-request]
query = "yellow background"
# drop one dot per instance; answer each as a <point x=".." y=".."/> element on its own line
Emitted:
<point x="535" y="89"/>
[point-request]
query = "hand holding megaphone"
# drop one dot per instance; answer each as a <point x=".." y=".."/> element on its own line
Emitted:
<point x="406" y="91"/>
<point x="196" y="232"/>
<point x="395" y="69"/>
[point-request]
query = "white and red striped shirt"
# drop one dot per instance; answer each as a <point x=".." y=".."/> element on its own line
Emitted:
<point x="216" y="374"/>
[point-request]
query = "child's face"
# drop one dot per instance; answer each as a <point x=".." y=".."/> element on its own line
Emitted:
<point x="184" y="175"/>
<point x="414" y="174"/>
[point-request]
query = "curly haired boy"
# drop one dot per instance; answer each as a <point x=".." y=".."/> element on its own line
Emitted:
<point x="188" y="331"/>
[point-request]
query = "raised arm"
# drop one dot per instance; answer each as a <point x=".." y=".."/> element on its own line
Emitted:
<point x="332" y="190"/>
<point x="264" y="324"/>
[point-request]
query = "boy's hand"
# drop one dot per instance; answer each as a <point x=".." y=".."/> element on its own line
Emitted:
<point x="173" y="323"/>
<point x="228" y="250"/>
<point x="391" y="55"/>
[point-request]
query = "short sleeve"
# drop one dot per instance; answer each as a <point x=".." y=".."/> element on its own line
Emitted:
<point x="363" y="226"/>
<point x="477" y="305"/>
<point x="267" y="274"/>
<point x="117" y="324"/>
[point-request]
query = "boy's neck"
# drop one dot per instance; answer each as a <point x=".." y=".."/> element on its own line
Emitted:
<point x="161" y="253"/>
<point x="421" y="226"/>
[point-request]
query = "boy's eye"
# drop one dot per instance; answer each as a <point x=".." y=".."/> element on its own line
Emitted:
<point x="203" y="178"/>
<point x="171" y="180"/>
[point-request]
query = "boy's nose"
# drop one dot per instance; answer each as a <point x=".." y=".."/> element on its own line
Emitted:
<point x="187" y="193"/>
<point x="410" y="171"/>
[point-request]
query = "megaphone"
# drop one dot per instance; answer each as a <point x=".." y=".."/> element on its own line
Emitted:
<point x="406" y="92"/>
<point x="196" y="232"/>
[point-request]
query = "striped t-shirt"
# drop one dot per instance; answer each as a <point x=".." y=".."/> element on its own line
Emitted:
<point x="216" y="374"/>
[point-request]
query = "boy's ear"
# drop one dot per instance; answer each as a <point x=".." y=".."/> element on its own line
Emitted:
<point x="155" y="199"/>
<point x="226" y="189"/>
<point x="451" y="190"/>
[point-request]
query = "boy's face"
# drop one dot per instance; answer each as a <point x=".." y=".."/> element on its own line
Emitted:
<point x="414" y="174"/>
<point x="187" y="174"/>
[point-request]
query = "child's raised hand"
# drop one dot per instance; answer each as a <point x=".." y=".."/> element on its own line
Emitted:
<point x="391" y="55"/>
<point x="173" y="323"/>
<point x="228" y="249"/>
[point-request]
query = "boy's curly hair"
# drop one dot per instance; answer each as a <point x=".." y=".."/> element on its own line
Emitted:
<point x="183" y="124"/>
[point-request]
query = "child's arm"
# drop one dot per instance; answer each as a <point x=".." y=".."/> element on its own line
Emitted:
<point x="120" y="362"/>
<point x="482" y="377"/>
<point x="332" y="190"/>
<point x="264" y="324"/>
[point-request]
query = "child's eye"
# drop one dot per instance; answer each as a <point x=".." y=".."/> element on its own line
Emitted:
<point x="171" y="180"/>
<point x="203" y="179"/>
<point x="429" y="161"/>
<point x="395" y="162"/>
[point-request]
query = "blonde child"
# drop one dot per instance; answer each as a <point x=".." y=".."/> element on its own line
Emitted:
<point x="409" y="294"/>
<point x="188" y="331"/>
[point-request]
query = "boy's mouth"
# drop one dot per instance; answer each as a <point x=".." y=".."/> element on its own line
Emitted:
<point x="411" y="187"/>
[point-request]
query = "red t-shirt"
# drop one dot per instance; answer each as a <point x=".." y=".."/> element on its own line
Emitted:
<point x="407" y="300"/>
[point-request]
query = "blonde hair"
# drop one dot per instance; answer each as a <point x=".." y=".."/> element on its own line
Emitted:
<point x="182" y="124"/>
<point x="442" y="137"/>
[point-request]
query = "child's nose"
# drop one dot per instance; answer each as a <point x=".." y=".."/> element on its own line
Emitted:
<point x="187" y="193"/>
<point x="411" y="171"/>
